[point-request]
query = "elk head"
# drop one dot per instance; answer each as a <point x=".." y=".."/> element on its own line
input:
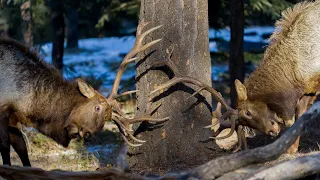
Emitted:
<point x="88" y="117"/>
<point x="255" y="114"/>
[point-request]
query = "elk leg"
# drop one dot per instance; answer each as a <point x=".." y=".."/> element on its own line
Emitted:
<point x="302" y="106"/>
<point x="19" y="145"/>
<point x="4" y="138"/>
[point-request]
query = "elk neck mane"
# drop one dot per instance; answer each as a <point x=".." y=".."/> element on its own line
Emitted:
<point x="283" y="68"/>
<point x="53" y="97"/>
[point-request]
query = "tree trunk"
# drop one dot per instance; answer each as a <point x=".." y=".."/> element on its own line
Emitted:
<point x="26" y="16"/>
<point x="72" y="28"/>
<point x="182" y="139"/>
<point x="236" y="62"/>
<point x="58" y="25"/>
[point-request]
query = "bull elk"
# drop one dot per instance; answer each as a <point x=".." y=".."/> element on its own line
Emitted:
<point x="287" y="80"/>
<point x="35" y="94"/>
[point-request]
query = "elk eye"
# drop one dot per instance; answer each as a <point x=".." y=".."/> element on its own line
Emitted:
<point x="87" y="135"/>
<point x="97" y="108"/>
<point x="248" y="113"/>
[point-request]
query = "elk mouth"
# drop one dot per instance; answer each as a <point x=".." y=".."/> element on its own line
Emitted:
<point x="74" y="136"/>
<point x="73" y="131"/>
<point x="85" y="135"/>
<point x="273" y="134"/>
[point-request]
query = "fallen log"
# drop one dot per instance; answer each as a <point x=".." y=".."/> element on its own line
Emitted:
<point x="294" y="169"/>
<point x="14" y="172"/>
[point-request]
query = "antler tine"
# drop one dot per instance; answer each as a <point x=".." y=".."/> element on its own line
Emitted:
<point x="125" y="122"/>
<point x="197" y="92"/>
<point x="215" y="93"/>
<point x="233" y="126"/>
<point x="136" y="139"/>
<point x="130" y="57"/>
<point x="123" y="133"/>
<point x="124" y="130"/>
<point x="217" y="112"/>
<point x="241" y="139"/>
<point x="121" y="125"/>
<point x="179" y="79"/>
<point x="126" y="93"/>
<point x="129" y="143"/>
<point x="216" y="115"/>
<point x="145" y="118"/>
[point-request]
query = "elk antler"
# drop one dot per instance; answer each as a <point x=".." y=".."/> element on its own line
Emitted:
<point x="216" y="115"/>
<point x="118" y="116"/>
<point x="178" y="78"/>
<point x="242" y="142"/>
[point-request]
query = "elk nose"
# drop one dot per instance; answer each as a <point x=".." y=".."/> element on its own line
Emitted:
<point x="74" y="135"/>
<point x="273" y="133"/>
<point x="87" y="135"/>
<point x="274" y="129"/>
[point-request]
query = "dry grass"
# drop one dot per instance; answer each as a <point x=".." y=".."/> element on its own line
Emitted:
<point x="47" y="154"/>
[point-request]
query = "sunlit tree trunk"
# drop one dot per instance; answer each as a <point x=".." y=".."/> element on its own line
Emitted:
<point x="26" y="16"/>
<point x="182" y="139"/>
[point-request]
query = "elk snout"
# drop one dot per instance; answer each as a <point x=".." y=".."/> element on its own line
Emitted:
<point x="73" y="131"/>
<point x="274" y="129"/>
<point x="86" y="135"/>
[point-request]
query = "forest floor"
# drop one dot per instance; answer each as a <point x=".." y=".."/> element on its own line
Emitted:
<point x="45" y="153"/>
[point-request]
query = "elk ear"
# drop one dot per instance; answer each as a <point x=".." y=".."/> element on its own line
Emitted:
<point x="86" y="89"/>
<point x="241" y="90"/>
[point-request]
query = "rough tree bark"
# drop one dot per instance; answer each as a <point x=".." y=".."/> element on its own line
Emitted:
<point x="26" y="16"/>
<point x="72" y="27"/>
<point x="182" y="139"/>
<point x="58" y="25"/>
<point x="236" y="61"/>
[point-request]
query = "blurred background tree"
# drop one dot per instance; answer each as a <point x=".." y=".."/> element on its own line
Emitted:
<point x="100" y="18"/>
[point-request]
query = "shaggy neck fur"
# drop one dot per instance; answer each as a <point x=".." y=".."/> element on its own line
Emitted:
<point x="52" y="106"/>
<point x="48" y="98"/>
<point x="291" y="60"/>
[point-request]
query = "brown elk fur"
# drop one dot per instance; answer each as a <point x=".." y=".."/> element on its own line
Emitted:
<point x="279" y="75"/>
<point x="35" y="94"/>
<point x="290" y="70"/>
